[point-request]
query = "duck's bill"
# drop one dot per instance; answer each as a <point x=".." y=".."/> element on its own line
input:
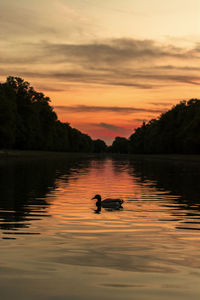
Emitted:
<point x="93" y="198"/>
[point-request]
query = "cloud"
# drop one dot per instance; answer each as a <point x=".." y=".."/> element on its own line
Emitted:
<point x="50" y="88"/>
<point x="17" y="18"/>
<point x="39" y="20"/>
<point x="111" y="127"/>
<point x="140" y="120"/>
<point x="113" y="62"/>
<point x="189" y="79"/>
<point x="116" y="51"/>
<point x="105" y="53"/>
<point x="95" y="109"/>
<point x="140" y="79"/>
<point x="177" y="68"/>
<point x="107" y="131"/>
<point x="105" y="6"/>
<point x="161" y="104"/>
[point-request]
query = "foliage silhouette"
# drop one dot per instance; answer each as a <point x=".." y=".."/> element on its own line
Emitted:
<point x="99" y="146"/>
<point x="176" y="131"/>
<point x="120" y="145"/>
<point x="28" y="122"/>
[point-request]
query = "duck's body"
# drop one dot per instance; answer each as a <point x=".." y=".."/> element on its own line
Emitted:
<point x="108" y="203"/>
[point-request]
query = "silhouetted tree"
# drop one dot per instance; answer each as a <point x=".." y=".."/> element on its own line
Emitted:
<point x="99" y="146"/>
<point x="27" y="121"/>
<point x="176" y="131"/>
<point x="8" y="116"/>
<point x="120" y="145"/>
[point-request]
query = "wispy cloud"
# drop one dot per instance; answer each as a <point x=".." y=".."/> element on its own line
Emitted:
<point x="39" y="20"/>
<point x="178" y="68"/>
<point x="108" y="131"/>
<point x="112" y="127"/>
<point x="106" y="7"/>
<point x="163" y="104"/>
<point x="50" y="88"/>
<point x="117" y="51"/>
<point x="60" y="44"/>
<point x="115" y="62"/>
<point x="140" y="79"/>
<point x="95" y="109"/>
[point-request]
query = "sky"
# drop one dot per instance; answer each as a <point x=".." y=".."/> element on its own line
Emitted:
<point x="107" y="65"/>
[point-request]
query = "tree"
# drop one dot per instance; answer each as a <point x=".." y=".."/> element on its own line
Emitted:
<point x="120" y="145"/>
<point x="8" y="115"/>
<point x="27" y="121"/>
<point x="99" y="146"/>
<point x="176" y="131"/>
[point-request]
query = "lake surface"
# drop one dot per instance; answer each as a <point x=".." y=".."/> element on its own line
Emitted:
<point x="53" y="244"/>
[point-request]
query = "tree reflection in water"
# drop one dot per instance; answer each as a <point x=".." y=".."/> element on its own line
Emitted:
<point x="178" y="177"/>
<point x="24" y="185"/>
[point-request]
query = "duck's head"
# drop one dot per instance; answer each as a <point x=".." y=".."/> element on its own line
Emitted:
<point x="98" y="197"/>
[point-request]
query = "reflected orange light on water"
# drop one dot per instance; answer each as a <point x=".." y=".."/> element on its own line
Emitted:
<point x="57" y="237"/>
<point x="72" y="197"/>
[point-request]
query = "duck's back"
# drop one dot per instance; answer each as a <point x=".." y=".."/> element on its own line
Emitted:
<point x="112" y="203"/>
<point x="110" y="200"/>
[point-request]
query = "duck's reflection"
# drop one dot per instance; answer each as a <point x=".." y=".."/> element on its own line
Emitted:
<point x="97" y="210"/>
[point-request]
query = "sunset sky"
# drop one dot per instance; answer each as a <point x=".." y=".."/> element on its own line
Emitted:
<point x="107" y="65"/>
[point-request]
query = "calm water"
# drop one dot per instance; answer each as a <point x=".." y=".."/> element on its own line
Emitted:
<point x="54" y="246"/>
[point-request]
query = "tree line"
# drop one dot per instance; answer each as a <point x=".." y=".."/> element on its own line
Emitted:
<point x="28" y="122"/>
<point x="176" y="131"/>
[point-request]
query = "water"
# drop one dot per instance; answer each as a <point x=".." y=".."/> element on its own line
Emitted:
<point x="54" y="246"/>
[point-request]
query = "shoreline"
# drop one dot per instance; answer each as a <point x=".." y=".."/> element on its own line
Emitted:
<point x="47" y="154"/>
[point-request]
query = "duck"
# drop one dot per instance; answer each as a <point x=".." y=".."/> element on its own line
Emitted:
<point x="108" y="203"/>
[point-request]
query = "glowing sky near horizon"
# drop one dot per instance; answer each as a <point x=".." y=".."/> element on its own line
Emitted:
<point x="106" y="65"/>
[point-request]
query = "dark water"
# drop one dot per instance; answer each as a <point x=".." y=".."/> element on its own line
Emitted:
<point x="54" y="246"/>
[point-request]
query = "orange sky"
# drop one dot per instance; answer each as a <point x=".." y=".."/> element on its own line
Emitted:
<point x="106" y="65"/>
